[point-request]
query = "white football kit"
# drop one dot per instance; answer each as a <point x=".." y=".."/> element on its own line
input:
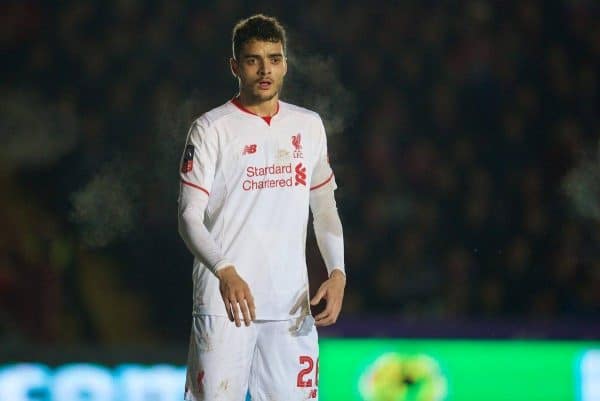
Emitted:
<point x="246" y="186"/>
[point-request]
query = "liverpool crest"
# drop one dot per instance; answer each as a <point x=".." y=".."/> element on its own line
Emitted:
<point x="297" y="142"/>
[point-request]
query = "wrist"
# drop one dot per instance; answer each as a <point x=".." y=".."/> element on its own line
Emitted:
<point x="338" y="273"/>
<point x="224" y="271"/>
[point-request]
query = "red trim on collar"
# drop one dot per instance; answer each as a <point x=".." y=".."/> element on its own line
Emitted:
<point x="238" y="104"/>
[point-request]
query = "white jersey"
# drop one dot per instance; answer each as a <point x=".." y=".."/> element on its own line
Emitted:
<point x="258" y="173"/>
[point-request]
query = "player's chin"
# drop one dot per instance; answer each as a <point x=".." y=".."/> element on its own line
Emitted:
<point x="265" y="96"/>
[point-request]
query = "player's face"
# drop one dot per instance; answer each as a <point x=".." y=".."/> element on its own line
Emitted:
<point x="260" y="69"/>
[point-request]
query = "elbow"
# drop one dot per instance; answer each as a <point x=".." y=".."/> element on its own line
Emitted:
<point x="328" y="223"/>
<point x="187" y="218"/>
<point x="181" y="224"/>
<point x="184" y="220"/>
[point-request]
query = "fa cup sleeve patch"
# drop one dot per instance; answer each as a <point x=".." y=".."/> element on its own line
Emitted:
<point x="188" y="159"/>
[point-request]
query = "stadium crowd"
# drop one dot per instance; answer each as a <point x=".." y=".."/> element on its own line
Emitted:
<point x="451" y="160"/>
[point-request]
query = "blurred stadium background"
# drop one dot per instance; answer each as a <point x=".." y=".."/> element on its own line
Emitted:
<point x="465" y="140"/>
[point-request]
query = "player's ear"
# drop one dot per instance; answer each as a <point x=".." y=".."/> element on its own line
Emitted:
<point x="235" y="67"/>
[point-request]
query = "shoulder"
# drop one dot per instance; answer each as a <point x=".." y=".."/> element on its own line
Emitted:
<point x="300" y="112"/>
<point x="215" y="116"/>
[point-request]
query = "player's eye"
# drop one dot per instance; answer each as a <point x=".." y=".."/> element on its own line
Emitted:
<point x="275" y="60"/>
<point x="250" y="61"/>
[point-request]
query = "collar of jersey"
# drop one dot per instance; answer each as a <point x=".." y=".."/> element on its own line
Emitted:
<point x="267" y="119"/>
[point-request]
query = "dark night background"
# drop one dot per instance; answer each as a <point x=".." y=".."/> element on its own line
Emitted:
<point x="464" y="137"/>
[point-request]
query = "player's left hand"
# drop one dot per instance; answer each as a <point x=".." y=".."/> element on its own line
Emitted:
<point x="332" y="290"/>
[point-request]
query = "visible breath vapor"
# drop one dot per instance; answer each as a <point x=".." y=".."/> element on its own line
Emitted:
<point x="111" y="205"/>
<point x="173" y="122"/>
<point x="582" y="187"/>
<point x="34" y="133"/>
<point x="313" y="81"/>
<point x="105" y="207"/>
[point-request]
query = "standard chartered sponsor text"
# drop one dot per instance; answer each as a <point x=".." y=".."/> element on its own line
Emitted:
<point x="273" y="169"/>
<point x="283" y="177"/>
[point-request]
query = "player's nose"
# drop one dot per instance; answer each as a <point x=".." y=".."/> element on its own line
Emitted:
<point x="265" y="69"/>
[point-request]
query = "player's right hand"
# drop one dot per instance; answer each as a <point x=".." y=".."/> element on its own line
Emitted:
<point x="236" y="296"/>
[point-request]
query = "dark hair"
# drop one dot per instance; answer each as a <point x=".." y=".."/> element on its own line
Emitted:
<point x="259" y="27"/>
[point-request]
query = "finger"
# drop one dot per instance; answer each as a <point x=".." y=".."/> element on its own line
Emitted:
<point x="324" y="322"/>
<point x="318" y="296"/>
<point x="322" y="315"/>
<point x="251" y="307"/>
<point x="228" y="308"/>
<point x="332" y="310"/>
<point x="245" y="312"/>
<point x="325" y="312"/>
<point x="236" y="312"/>
<point x="329" y="320"/>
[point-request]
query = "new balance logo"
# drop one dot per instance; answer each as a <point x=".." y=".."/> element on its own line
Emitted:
<point x="249" y="149"/>
<point x="300" y="174"/>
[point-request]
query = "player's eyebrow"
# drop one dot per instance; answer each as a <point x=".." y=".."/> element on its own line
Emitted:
<point x="259" y="56"/>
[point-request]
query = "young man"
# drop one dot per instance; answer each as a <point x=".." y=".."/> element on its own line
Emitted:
<point x="249" y="172"/>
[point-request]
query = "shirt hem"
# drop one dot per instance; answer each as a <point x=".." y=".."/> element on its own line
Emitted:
<point x="275" y="316"/>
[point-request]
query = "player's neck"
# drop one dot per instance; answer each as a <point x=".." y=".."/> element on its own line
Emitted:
<point x="263" y="108"/>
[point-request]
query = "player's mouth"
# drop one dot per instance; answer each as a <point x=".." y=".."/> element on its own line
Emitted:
<point x="265" y="84"/>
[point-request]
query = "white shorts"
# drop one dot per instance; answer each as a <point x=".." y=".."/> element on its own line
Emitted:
<point x="267" y="358"/>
